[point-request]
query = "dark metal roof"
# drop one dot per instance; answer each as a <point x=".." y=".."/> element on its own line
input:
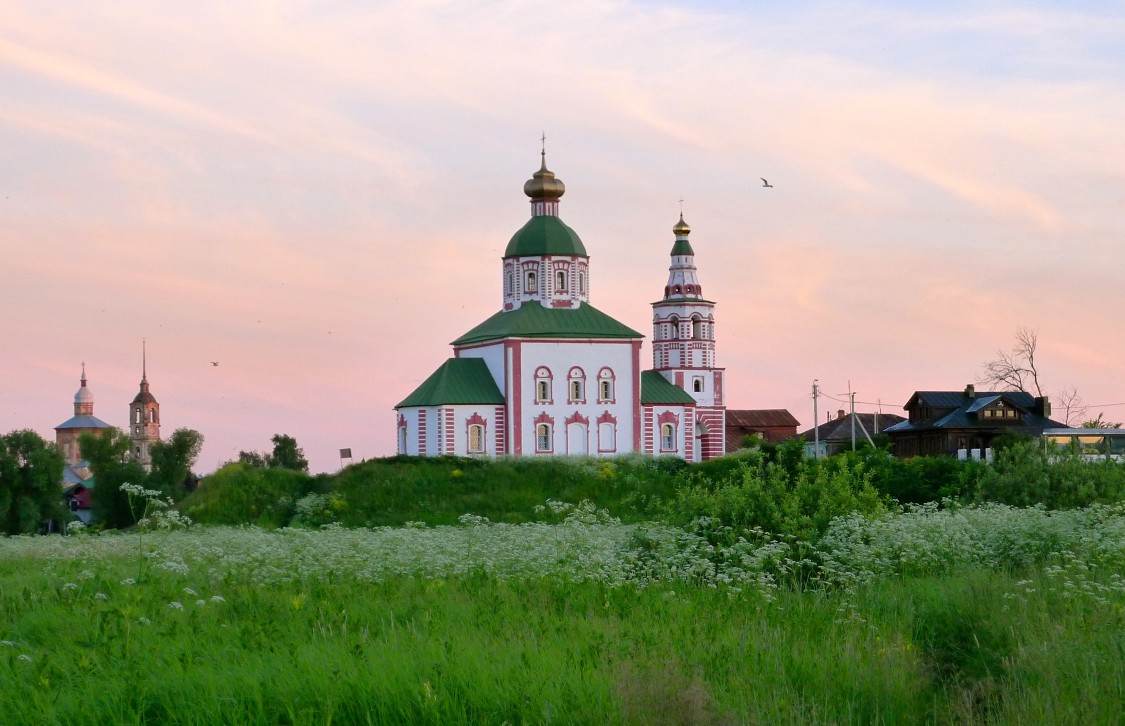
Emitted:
<point x="761" y="418"/>
<point x="840" y="429"/>
<point x="83" y="422"/>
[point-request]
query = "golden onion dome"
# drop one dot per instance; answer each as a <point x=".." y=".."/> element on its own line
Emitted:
<point x="543" y="185"/>
<point x="681" y="229"/>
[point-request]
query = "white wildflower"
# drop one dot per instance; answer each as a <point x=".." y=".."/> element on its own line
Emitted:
<point x="176" y="605"/>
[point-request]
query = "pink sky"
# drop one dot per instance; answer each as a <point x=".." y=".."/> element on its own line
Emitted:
<point x="317" y="195"/>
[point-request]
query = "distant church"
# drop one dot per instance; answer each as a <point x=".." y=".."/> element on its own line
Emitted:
<point x="551" y="374"/>
<point x="144" y="431"/>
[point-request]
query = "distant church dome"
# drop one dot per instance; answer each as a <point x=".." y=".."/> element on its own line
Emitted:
<point x="84" y="395"/>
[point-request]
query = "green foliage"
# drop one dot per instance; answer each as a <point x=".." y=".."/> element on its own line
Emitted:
<point x="111" y="465"/>
<point x="239" y="493"/>
<point x="1023" y="474"/>
<point x="30" y="472"/>
<point x="287" y="455"/>
<point x="777" y="490"/>
<point x="1100" y="423"/>
<point x="172" y="460"/>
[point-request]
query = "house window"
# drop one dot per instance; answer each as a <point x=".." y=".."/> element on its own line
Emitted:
<point x="697" y="384"/>
<point x="577" y="385"/>
<point x="532" y="282"/>
<point x="543" y="437"/>
<point x="476" y="439"/>
<point x="667" y="437"/>
<point x="605" y="386"/>
<point x="543" y="385"/>
<point x="560" y="281"/>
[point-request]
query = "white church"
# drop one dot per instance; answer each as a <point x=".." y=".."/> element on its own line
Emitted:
<point x="550" y="374"/>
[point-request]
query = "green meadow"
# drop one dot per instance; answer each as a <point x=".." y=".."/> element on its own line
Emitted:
<point x="977" y="613"/>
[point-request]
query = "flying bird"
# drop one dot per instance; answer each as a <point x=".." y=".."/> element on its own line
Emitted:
<point x="214" y="362"/>
<point x="765" y="183"/>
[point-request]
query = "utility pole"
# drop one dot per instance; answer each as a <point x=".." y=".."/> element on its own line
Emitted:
<point x="851" y="396"/>
<point x="816" y="421"/>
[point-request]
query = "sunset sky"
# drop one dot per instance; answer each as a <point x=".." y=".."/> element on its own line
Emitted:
<point x="316" y="195"/>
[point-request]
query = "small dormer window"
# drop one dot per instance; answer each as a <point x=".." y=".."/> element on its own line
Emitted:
<point x="560" y="281"/>
<point x="532" y="282"/>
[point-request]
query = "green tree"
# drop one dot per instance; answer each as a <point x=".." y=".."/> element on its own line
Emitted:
<point x="254" y="458"/>
<point x="1100" y="423"/>
<point x="287" y="455"/>
<point x="172" y="460"/>
<point x="30" y="476"/>
<point x="111" y="465"/>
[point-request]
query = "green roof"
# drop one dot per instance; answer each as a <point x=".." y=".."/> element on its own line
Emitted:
<point x="655" y="388"/>
<point x="682" y="247"/>
<point x="545" y="235"/>
<point x="532" y="320"/>
<point x="458" y="380"/>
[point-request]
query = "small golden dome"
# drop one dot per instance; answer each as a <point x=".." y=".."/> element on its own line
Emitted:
<point x="543" y="185"/>
<point x="681" y="229"/>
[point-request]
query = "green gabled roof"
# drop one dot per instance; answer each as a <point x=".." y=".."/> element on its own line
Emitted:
<point x="655" y="388"/>
<point x="532" y="320"/>
<point x="545" y="235"/>
<point x="458" y="380"/>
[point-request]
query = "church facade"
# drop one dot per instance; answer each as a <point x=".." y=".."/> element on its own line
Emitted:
<point x="549" y="374"/>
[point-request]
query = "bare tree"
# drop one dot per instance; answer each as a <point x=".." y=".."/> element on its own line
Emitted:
<point x="1072" y="405"/>
<point x="1015" y="370"/>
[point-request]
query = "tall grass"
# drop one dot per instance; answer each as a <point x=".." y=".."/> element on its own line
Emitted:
<point x="586" y="621"/>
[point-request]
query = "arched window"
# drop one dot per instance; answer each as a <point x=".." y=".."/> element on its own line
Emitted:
<point x="543" y="385"/>
<point x="667" y="437"/>
<point x="581" y="283"/>
<point x="402" y="439"/>
<point x="674" y="323"/>
<point x="560" y="281"/>
<point x="152" y="415"/>
<point x="476" y="439"/>
<point x="697" y="384"/>
<point x="696" y="327"/>
<point x="532" y="282"/>
<point x="543" y="437"/>
<point x="576" y="385"/>
<point x="511" y="281"/>
<point x="605" y="385"/>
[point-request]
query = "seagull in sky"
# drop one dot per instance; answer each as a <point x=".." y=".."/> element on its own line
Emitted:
<point x="765" y="183"/>
<point x="214" y="362"/>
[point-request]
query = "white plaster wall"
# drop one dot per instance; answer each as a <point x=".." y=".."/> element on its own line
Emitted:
<point x="682" y="414"/>
<point x="461" y="416"/>
<point x="560" y="357"/>
<point x="493" y="356"/>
